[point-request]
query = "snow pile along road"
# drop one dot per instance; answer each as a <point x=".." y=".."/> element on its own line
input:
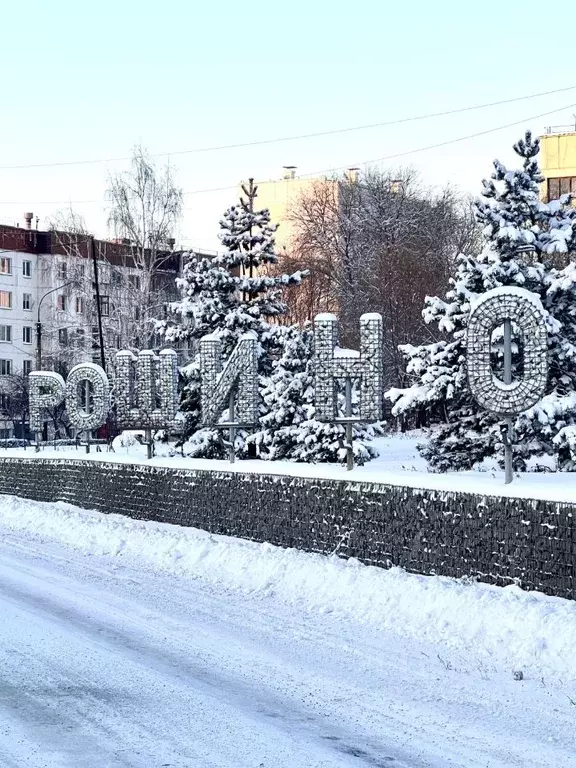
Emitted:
<point x="507" y="628"/>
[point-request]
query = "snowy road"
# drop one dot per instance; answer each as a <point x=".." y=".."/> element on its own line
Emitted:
<point x="108" y="665"/>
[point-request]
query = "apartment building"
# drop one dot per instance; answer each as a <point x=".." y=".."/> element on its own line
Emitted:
<point x="558" y="161"/>
<point x="281" y="196"/>
<point x="48" y="309"/>
<point x="130" y="296"/>
<point x="18" y="291"/>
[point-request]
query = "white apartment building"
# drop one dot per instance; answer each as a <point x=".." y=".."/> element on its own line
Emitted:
<point x="47" y="284"/>
<point x="18" y="299"/>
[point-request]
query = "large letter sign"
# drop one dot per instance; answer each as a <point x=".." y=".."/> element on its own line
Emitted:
<point x="238" y="378"/>
<point x="492" y="309"/>
<point x="332" y="365"/>
<point x="505" y="397"/>
<point x="146" y="389"/>
<point x="146" y="393"/>
<point x="79" y="416"/>
<point x="46" y="391"/>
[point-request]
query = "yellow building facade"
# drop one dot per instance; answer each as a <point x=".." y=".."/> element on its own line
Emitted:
<point x="280" y="196"/>
<point x="558" y="164"/>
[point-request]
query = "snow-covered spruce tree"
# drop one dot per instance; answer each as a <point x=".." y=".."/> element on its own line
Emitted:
<point x="232" y="294"/>
<point x="288" y="427"/>
<point x="513" y="219"/>
<point x="209" y="293"/>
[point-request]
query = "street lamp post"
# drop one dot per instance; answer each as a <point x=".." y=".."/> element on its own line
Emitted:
<point x="39" y="324"/>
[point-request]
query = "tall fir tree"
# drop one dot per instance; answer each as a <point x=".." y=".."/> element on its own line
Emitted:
<point x="235" y="293"/>
<point x="528" y="245"/>
<point x="232" y="294"/>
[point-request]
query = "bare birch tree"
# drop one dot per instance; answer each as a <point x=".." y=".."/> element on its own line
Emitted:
<point x="145" y="206"/>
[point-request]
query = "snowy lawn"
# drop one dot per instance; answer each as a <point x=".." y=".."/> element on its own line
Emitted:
<point x="399" y="463"/>
<point x="497" y="628"/>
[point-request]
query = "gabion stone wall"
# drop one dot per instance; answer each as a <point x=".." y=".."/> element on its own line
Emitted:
<point x="498" y="540"/>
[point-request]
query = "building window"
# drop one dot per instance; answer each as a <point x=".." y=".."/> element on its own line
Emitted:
<point x="27" y="268"/>
<point x="4" y="402"/>
<point x="561" y="186"/>
<point x="27" y="301"/>
<point x="27" y="334"/>
<point x="6" y="299"/>
<point x="5" y="266"/>
<point x="5" y="367"/>
<point x="5" y="333"/>
<point x="4" y="434"/>
<point x="62" y="302"/>
<point x="79" y="305"/>
<point x="134" y="281"/>
<point x="26" y="367"/>
<point x="80" y="336"/>
<point x="63" y="337"/>
<point x="62" y="270"/>
<point x="105" y="306"/>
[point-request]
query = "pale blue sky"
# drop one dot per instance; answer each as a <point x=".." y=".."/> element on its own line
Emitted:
<point x="88" y="81"/>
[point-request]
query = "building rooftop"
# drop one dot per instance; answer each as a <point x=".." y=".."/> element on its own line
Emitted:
<point x="27" y="240"/>
<point x="552" y="129"/>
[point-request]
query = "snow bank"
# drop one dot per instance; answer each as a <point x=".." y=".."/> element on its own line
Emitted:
<point x="398" y="463"/>
<point x="506" y="628"/>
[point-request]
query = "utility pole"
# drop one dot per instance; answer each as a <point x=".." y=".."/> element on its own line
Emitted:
<point x="98" y="307"/>
<point x="38" y="343"/>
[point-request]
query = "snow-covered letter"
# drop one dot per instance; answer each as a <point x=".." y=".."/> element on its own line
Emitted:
<point x="332" y="364"/>
<point x="239" y="376"/>
<point x="46" y="391"/>
<point x="96" y="376"/>
<point x="490" y="310"/>
<point x="146" y="389"/>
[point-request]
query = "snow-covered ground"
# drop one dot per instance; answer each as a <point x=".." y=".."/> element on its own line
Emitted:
<point x="399" y="463"/>
<point x="127" y="643"/>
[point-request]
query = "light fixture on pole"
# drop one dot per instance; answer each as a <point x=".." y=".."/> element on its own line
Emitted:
<point x="39" y="323"/>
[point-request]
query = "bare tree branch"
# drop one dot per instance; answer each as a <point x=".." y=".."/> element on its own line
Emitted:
<point x="381" y="243"/>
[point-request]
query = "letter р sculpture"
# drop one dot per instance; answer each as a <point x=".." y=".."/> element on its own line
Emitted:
<point x="505" y="397"/>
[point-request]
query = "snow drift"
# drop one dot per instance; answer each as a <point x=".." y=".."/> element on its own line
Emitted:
<point x="505" y="627"/>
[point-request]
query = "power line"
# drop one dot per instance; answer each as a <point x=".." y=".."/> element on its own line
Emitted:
<point x="409" y="151"/>
<point x="326" y="170"/>
<point x="441" y="143"/>
<point x="296" y="137"/>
